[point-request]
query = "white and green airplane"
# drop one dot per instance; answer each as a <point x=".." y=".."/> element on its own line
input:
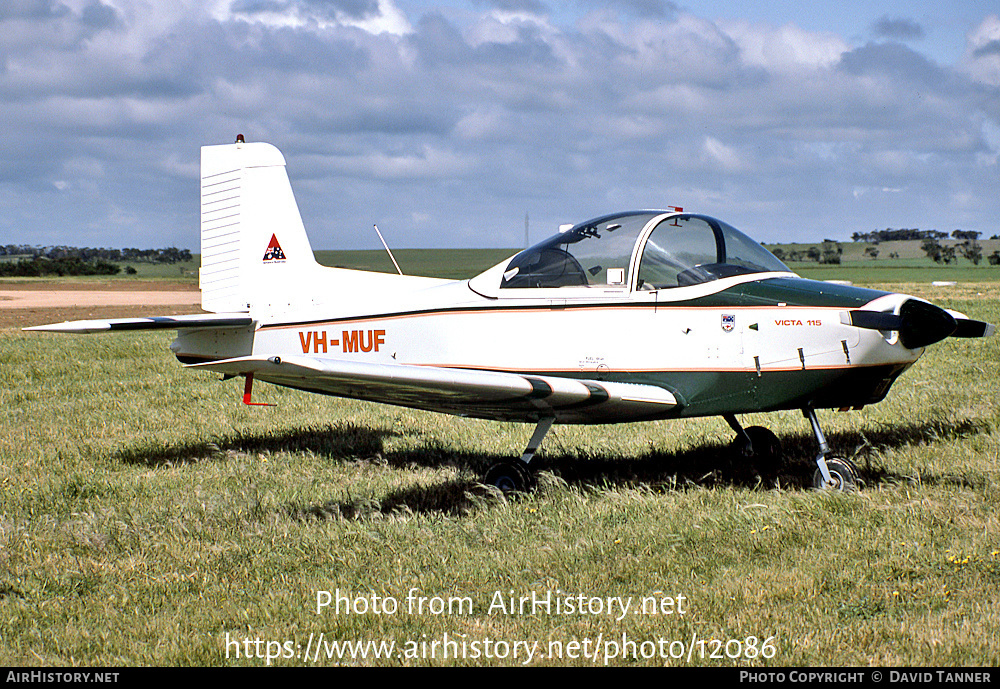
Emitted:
<point x="629" y="317"/>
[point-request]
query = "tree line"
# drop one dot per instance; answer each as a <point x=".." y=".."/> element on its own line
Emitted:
<point x="37" y="261"/>
<point x="830" y="251"/>
<point x="890" y="235"/>
<point x="169" y="255"/>
<point x="42" y="267"/>
<point x="968" y="249"/>
<point x="930" y="241"/>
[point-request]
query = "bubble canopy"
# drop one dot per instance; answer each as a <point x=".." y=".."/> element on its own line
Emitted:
<point x="641" y="250"/>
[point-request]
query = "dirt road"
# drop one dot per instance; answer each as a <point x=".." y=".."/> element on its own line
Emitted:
<point x="23" y="304"/>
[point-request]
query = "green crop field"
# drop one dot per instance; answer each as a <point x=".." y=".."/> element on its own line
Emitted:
<point x="438" y="263"/>
<point x="911" y="265"/>
<point x="148" y="518"/>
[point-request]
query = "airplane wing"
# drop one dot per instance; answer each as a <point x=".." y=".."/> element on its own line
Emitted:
<point x="482" y="394"/>
<point x="193" y="321"/>
<point x="475" y="393"/>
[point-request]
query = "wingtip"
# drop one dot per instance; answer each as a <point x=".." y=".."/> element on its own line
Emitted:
<point x="71" y="327"/>
<point x="189" y="321"/>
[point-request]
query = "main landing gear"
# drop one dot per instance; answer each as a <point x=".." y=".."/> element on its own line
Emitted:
<point x="756" y="445"/>
<point x="517" y="476"/>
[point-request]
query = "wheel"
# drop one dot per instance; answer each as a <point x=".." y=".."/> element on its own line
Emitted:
<point x="765" y="448"/>
<point x="843" y="473"/>
<point x="510" y="477"/>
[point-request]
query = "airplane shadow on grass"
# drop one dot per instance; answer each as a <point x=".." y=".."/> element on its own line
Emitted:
<point x="340" y="441"/>
<point x="713" y="464"/>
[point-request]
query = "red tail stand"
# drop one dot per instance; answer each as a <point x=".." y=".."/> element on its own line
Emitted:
<point x="247" y="390"/>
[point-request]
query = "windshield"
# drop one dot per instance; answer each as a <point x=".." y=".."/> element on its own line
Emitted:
<point x="691" y="249"/>
<point x="594" y="253"/>
<point x="681" y="250"/>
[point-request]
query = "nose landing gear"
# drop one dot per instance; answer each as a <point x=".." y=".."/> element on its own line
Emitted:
<point x="832" y="473"/>
<point x="762" y="448"/>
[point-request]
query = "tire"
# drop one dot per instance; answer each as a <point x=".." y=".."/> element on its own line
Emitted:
<point x="766" y="454"/>
<point x="510" y="477"/>
<point x="842" y="472"/>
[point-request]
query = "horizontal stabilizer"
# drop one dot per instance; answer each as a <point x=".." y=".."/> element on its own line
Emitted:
<point x="482" y="394"/>
<point x="193" y="321"/>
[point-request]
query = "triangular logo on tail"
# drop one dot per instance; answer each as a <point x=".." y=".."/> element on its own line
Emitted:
<point x="274" y="252"/>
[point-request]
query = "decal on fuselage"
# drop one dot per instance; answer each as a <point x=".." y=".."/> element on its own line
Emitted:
<point x="274" y="254"/>
<point x="350" y="341"/>
<point x="797" y="321"/>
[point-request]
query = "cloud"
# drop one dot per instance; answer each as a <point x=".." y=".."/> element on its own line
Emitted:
<point x="428" y="164"/>
<point x="516" y="7"/>
<point x="466" y="120"/>
<point x="643" y="9"/>
<point x="786" y="48"/>
<point x="100" y="17"/>
<point x="899" y="29"/>
<point x="718" y="153"/>
<point x="373" y="16"/>
<point x="982" y="54"/>
<point x="893" y="61"/>
<point x="32" y="10"/>
<point x="988" y="49"/>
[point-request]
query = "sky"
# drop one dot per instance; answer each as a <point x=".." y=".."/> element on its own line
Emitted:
<point x="449" y="122"/>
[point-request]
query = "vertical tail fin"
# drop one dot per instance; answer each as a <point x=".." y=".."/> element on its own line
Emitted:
<point x="255" y="255"/>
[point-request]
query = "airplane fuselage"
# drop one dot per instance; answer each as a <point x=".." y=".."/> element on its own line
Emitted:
<point x="744" y="345"/>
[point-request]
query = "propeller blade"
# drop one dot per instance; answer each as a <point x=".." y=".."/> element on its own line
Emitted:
<point x="875" y="320"/>
<point x="970" y="328"/>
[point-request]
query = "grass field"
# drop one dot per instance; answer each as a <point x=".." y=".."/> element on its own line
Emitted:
<point x="915" y="271"/>
<point x="148" y="518"/>
<point x="439" y="263"/>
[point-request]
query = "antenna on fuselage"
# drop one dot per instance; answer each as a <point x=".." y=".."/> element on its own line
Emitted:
<point x="387" y="250"/>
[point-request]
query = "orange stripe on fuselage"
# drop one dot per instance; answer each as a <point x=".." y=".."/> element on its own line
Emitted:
<point x="507" y="310"/>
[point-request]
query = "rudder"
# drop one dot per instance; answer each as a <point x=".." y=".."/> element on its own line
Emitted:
<point x="255" y="255"/>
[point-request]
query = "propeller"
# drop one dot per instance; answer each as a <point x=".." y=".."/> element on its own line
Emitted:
<point x="920" y="324"/>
